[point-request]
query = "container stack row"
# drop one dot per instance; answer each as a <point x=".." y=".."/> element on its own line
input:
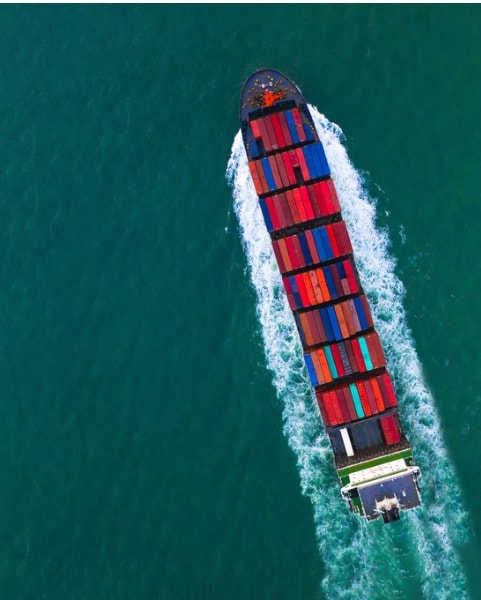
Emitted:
<point x="300" y="205"/>
<point x="321" y="285"/>
<point x="312" y="247"/>
<point x="279" y="130"/>
<point x="289" y="168"/>
<point x="358" y="355"/>
<point x="333" y="323"/>
<point x="357" y="400"/>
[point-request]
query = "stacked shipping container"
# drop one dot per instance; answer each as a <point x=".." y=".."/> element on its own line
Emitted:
<point x="342" y="352"/>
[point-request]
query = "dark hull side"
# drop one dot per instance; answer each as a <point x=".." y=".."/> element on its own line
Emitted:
<point x="342" y="350"/>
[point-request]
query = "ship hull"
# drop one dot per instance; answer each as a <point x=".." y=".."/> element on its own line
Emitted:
<point x="341" y="348"/>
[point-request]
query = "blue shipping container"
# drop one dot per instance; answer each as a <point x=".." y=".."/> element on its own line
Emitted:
<point x="292" y="127"/>
<point x="267" y="217"/>
<point x="268" y="173"/>
<point x="311" y="370"/>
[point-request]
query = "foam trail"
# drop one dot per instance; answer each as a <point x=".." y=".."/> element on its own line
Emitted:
<point x="360" y="559"/>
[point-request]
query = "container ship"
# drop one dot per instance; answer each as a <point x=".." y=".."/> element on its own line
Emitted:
<point x="342" y="350"/>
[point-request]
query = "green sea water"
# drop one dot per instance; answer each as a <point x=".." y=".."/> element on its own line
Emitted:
<point x="145" y="452"/>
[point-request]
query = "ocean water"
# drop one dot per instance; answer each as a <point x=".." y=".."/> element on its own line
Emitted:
<point x="158" y="438"/>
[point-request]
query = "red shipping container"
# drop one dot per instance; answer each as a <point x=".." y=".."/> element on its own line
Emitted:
<point x="285" y="128"/>
<point x="294" y="159"/>
<point x="337" y="409"/>
<point x="312" y="197"/>
<point x="345" y="286"/>
<point x="349" y="402"/>
<point x="370" y="396"/>
<point x="298" y="250"/>
<point x="396" y="434"/>
<point x="302" y="163"/>
<point x="358" y="354"/>
<point x="348" y="412"/>
<point x="324" y="195"/>
<point x="307" y="203"/>
<point x="322" y="407"/>
<point x="255" y="178"/>
<point x="271" y="133"/>
<point x="256" y="132"/>
<point x="289" y="168"/>
<point x="302" y="290"/>
<point x="293" y="206"/>
<point x="278" y="130"/>
<point x="299" y="204"/>
<point x="333" y="195"/>
<point x="265" y="136"/>
<point x="375" y="343"/>
<point x="276" y="223"/>
<point x="342" y="238"/>
<point x="284" y="222"/>
<point x="390" y="430"/>
<point x="367" y="311"/>
<point x="337" y="360"/>
<point x="275" y="172"/>
<point x="364" y="400"/>
<point x="320" y="326"/>
<point x="331" y="414"/>
<point x="377" y="394"/>
<point x="351" y="277"/>
<point x="287" y="285"/>
<point x="278" y="254"/>
<point x="319" y="200"/>
<point x="290" y="295"/>
<point x="355" y="318"/>
<point x="351" y="357"/>
<point x="382" y="387"/>
<point x="391" y="395"/>
<point x="336" y="279"/>
<point x="342" y="405"/>
<point x="298" y="121"/>
<point x="309" y="290"/>
<point x="292" y="253"/>
<point x="281" y="169"/>
<point x="286" y="211"/>
<point x="386" y="430"/>
<point x="312" y="246"/>
<point x="331" y="234"/>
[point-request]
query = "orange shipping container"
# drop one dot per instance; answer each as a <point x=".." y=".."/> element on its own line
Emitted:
<point x="309" y="290"/>
<point x="324" y="366"/>
<point x="285" y="254"/>
<point x="316" y="287"/>
<point x="304" y="322"/>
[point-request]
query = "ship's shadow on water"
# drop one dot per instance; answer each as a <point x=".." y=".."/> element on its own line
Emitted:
<point x="360" y="560"/>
